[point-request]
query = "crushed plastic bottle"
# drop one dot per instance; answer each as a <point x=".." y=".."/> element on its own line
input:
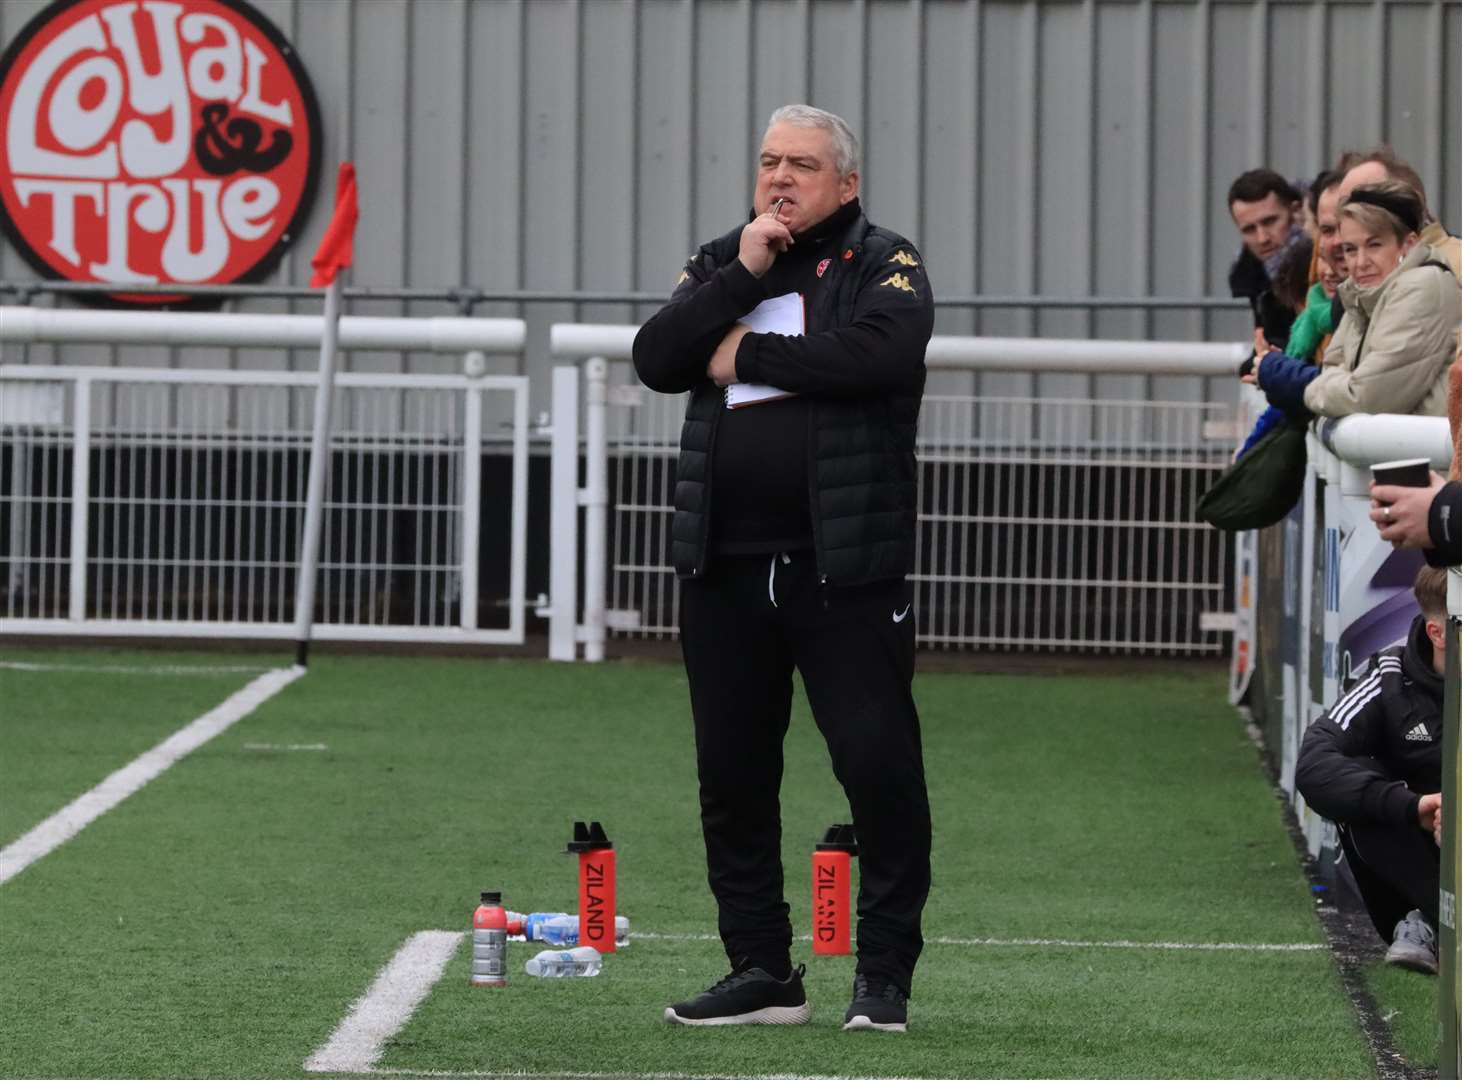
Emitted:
<point x="582" y="962"/>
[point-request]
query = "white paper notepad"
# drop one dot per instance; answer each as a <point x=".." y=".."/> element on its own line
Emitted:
<point x="775" y="315"/>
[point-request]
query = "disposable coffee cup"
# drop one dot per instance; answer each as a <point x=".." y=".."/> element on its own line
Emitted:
<point x="1413" y="472"/>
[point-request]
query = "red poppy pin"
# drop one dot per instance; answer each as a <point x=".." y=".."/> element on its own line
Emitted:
<point x="848" y="254"/>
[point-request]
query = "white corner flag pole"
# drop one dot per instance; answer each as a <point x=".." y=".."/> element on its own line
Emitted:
<point x="309" y="560"/>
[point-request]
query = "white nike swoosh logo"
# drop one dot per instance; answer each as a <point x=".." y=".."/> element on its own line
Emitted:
<point x="900" y="616"/>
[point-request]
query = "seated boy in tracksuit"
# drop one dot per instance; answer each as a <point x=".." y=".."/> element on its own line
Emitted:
<point x="1373" y="765"/>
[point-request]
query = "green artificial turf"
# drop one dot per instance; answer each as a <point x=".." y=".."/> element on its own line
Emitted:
<point x="1408" y="1002"/>
<point x="56" y="745"/>
<point x="220" y="923"/>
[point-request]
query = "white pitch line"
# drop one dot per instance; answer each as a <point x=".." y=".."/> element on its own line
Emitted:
<point x="403" y="984"/>
<point x="383" y="1009"/>
<point x="444" y="1074"/>
<point x="120" y="669"/>
<point x="83" y="810"/>
<point x="1199" y="946"/>
<point x="518" y="1074"/>
<point x="276" y="747"/>
<point x="1194" y="946"/>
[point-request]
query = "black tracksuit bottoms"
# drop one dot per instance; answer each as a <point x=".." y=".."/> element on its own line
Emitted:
<point x="1397" y="868"/>
<point x="743" y="629"/>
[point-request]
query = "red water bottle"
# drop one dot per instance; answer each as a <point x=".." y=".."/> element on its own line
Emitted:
<point x="832" y="891"/>
<point x="490" y="942"/>
<point x="596" y="885"/>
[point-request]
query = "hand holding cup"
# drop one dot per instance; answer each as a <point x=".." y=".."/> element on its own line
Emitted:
<point x="1401" y="501"/>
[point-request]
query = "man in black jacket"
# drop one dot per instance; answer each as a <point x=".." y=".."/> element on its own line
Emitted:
<point x="792" y="536"/>
<point x="1265" y="208"/>
<point x="1373" y="765"/>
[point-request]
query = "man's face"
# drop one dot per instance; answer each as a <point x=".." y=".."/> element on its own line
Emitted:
<point x="800" y="164"/>
<point x="1327" y="224"/>
<point x="1367" y="172"/>
<point x="1263" y="225"/>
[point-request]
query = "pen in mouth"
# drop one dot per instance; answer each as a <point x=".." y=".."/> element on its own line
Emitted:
<point x="777" y="207"/>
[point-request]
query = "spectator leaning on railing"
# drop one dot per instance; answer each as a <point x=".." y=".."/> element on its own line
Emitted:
<point x="1381" y="164"/>
<point x="1266" y="211"/>
<point x="1392" y="349"/>
<point x="1373" y="765"/>
<point x="1317" y="318"/>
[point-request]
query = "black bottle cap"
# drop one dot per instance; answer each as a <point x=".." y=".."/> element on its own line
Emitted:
<point x="588" y="837"/>
<point x="491" y="898"/>
<point x="839" y="838"/>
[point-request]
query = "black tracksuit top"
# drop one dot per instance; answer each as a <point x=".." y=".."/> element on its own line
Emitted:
<point x="1444" y="525"/>
<point x="859" y="376"/>
<point x="1378" y="749"/>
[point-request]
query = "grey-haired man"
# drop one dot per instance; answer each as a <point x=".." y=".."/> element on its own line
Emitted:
<point x="793" y="533"/>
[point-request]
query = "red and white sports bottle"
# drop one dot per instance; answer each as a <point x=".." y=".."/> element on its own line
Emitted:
<point x="490" y="942"/>
<point x="596" y="885"/>
<point x="832" y="891"/>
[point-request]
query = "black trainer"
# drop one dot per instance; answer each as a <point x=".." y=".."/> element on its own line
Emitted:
<point x="746" y="996"/>
<point x="878" y="1005"/>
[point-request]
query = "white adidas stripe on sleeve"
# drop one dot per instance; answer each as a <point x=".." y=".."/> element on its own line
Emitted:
<point x="1360" y="695"/>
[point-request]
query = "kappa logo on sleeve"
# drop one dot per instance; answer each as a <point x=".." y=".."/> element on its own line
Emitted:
<point x="899" y="281"/>
<point x="903" y="258"/>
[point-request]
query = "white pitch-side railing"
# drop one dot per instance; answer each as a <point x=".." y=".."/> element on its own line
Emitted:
<point x="1364" y="590"/>
<point x="169" y="502"/>
<point x="1362" y="584"/>
<point x="1004" y="560"/>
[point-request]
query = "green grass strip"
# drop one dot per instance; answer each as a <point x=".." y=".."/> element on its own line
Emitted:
<point x="1408" y="1002"/>
<point x="220" y="923"/>
<point x="64" y="730"/>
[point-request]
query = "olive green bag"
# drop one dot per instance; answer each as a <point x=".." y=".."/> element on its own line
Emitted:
<point x="1262" y="486"/>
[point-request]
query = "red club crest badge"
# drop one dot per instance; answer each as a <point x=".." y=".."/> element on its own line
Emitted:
<point x="171" y="141"/>
<point x="822" y="266"/>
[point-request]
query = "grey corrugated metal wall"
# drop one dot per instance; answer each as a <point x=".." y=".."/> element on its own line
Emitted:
<point x="1065" y="149"/>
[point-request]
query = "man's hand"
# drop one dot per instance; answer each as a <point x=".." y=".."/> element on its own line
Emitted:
<point x="1429" y="815"/>
<point x="762" y="241"/>
<point x="1261" y="350"/>
<point x="722" y="368"/>
<point x="1401" y="512"/>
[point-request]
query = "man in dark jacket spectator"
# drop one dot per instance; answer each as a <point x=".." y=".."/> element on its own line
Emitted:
<point x="795" y="501"/>
<point x="1266" y="211"/>
<point x="1373" y="765"/>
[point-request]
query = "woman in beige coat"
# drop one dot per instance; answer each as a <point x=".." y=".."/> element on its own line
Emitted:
<point x="1403" y="307"/>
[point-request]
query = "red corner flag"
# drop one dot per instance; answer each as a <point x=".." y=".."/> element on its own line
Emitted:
<point x="337" y="247"/>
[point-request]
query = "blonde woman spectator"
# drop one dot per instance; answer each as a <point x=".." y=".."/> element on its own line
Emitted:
<point x="1392" y="349"/>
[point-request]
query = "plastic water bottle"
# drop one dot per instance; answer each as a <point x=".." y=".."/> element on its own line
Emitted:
<point x="490" y="942"/>
<point x="562" y="929"/>
<point x="552" y="928"/>
<point x="584" y="961"/>
<point x="516" y="919"/>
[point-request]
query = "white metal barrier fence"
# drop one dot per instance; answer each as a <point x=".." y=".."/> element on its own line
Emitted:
<point x="1045" y="523"/>
<point x="170" y="502"/>
<point x="1340" y="592"/>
